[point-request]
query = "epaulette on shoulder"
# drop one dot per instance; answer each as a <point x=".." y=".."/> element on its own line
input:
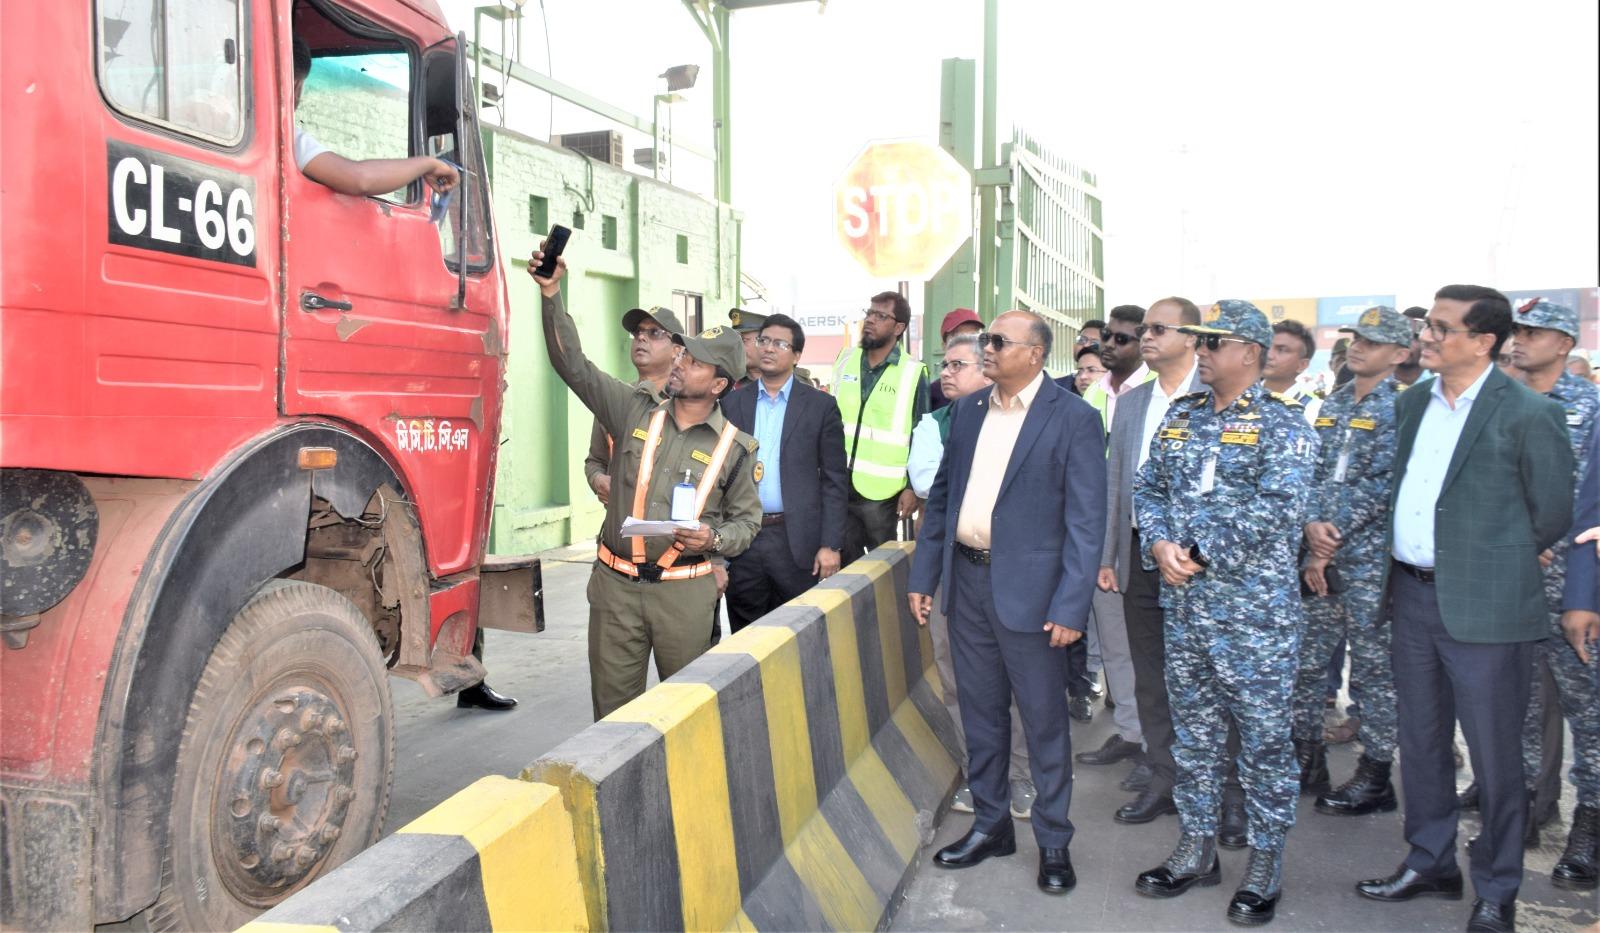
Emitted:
<point x="750" y="443"/>
<point x="1401" y="386"/>
<point x="1192" y="397"/>
<point x="1289" y="400"/>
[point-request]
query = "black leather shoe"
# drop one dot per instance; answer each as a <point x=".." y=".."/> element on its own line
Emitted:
<point x="1233" y="829"/>
<point x="1489" y="917"/>
<point x="1468" y="798"/>
<point x="1256" y="901"/>
<point x="1080" y="708"/>
<point x="976" y="846"/>
<point x="1576" y="869"/>
<point x="1116" y="749"/>
<point x="1193" y="862"/>
<point x="1139" y="778"/>
<point x="1405" y="884"/>
<point x="1146" y="807"/>
<point x="1055" y="872"/>
<point x="483" y="696"/>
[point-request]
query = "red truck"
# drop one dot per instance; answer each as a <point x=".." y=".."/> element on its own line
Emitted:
<point x="248" y="430"/>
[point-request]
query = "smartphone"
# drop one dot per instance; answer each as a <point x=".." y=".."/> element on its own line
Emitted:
<point x="553" y="246"/>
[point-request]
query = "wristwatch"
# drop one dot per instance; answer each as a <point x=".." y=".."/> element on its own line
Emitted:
<point x="716" y="542"/>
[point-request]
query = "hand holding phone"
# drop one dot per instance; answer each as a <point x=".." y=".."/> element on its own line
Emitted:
<point x="552" y="248"/>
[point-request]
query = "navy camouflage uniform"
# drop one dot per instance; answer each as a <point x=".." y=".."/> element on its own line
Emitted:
<point x="1351" y="491"/>
<point x="1232" y="483"/>
<point x="1575" y="683"/>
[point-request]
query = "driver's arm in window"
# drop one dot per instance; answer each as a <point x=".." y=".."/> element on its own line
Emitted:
<point x="359" y="177"/>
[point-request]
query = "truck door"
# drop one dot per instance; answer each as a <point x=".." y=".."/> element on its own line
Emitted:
<point x="378" y="331"/>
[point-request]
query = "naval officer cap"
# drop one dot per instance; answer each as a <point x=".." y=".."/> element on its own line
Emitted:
<point x="1548" y="315"/>
<point x="1382" y="324"/>
<point x="1232" y="317"/>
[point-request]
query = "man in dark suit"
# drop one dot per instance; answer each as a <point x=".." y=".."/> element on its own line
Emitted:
<point x="1013" y="526"/>
<point x="800" y="474"/>
<point x="1482" y="485"/>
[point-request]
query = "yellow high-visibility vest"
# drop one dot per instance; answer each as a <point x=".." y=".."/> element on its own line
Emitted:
<point x="877" y="437"/>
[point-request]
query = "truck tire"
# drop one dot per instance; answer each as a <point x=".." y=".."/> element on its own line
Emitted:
<point x="286" y="760"/>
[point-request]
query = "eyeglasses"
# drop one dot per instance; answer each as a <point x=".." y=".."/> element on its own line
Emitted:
<point x="996" y="342"/>
<point x="1083" y="339"/>
<point x="953" y="366"/>
<point x="880" y="316"/>
<point x="652" y="334"/>
<point x="1120" y="340"/>
<point x="764" y="341"/>
<point x="1440" y="331"/>
<point x="1154" y="330"/>
<point x="1214" y="342"/>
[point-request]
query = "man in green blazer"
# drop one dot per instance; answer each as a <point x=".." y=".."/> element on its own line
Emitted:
<point x="1482" y="486"/>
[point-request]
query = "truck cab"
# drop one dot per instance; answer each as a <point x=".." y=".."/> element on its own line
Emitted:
<point x="248" y="431"/>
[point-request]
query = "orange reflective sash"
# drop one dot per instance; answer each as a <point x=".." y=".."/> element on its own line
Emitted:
<point x="641" y="484"/>
<point x="708" y="482"/>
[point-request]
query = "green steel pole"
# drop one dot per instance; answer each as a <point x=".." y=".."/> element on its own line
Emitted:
<point x="722" y="105"/>
<point x="986" y="193"/>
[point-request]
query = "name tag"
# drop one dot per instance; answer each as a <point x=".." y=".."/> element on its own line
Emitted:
<point x="641" y="434"/>
<point x="1363" y="424"/>
<point x="1323" y="423"/>
<point x="1574" y="418"/>
<point x="1174" y="434"/>
<point x="701" y="456"/>
<point x="1241" y="437"/>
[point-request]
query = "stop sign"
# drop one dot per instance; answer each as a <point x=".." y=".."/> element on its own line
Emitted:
<point x="902" y="207"/>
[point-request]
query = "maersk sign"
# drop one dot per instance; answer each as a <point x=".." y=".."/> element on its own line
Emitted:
<point x="1341" y="312"/>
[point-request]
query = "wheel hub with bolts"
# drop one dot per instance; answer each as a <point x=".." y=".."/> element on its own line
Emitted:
<point x="284" y="790"/>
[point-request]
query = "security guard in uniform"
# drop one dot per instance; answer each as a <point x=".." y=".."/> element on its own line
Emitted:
<point x="1348" y="555"/>
<point x="658" y="592"/>
<point x="652" y="354"/>
<point x="1221" y="501"/>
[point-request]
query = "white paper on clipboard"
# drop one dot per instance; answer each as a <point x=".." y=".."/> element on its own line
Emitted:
<point x="640" y="528"/>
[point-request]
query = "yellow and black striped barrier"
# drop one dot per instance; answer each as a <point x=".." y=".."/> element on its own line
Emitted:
<point x="785" y="779"/>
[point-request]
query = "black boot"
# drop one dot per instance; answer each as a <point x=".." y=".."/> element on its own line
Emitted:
<point x="483" y="696"/>
<point x="1577" y="869"/>
<point x="1233" y="830"/>
<point x="1313" y="758"/>
<point x="1369" y="790"/>
<point x="1468" y="799"/>
<point x="1257" y="898"/>
<point x="1193" y="862"/>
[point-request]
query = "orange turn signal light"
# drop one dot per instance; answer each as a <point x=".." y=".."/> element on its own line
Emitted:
<point x="318" y="458"/>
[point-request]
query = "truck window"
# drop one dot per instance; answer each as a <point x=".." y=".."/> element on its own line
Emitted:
<point x="440" y="115"/>
<point x="359" y="107"/>
<point x="177" y="63"/>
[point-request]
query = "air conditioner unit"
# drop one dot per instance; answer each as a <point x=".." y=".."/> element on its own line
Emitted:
<point x="601" y="145"/>
<point x="650" y="157"/>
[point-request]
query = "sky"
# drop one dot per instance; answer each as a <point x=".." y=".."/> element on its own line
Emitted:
<point x="1241" y="148"/>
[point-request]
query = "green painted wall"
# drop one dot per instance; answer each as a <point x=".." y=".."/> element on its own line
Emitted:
<point x="541" y="499"/>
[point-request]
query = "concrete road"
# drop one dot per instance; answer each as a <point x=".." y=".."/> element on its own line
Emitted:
<point x="1326" y="855"/>
<point x="440" y="749"/>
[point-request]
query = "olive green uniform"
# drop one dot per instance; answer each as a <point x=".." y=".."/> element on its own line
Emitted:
<point x="627" y="617"/>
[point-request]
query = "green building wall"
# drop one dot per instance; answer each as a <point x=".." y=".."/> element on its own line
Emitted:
<point x="636" y="242"/>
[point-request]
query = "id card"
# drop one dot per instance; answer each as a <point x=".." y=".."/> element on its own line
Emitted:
<point x="1208" y="474"/>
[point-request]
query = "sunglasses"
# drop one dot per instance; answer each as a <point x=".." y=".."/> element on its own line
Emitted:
<point x="1214" y="342"/>
<point x="1121" y="340"/>
<point x="1154" y="330"/>
<point x="997" y="343"/>
<point x="651" y="334"/>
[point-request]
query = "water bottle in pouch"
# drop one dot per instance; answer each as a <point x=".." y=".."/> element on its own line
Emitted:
<point x="683" y="500"/>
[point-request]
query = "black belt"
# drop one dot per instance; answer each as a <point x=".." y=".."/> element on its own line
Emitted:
<point x="771" y="518"/>
<point x="972" y="554"/>
<point x="1423" y="574"/>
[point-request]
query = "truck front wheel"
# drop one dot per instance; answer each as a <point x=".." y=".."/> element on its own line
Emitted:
<point x="286" y="760"/>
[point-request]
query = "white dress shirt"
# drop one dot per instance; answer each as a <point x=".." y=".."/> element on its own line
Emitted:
<point x="927" y="449"/>
<point x="1002" y="424"/>
<point x="1160" y="401"/>
<point x="1431" y="453"/>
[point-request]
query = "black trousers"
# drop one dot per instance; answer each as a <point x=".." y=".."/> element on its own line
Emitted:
<point x="867" y="524"/>
<point x="764" y="577"/>
<point x="1146" y="622"/>
<point x="1437" y="681"/>
<point x="994" y="664"/>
